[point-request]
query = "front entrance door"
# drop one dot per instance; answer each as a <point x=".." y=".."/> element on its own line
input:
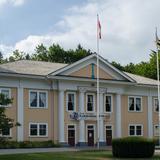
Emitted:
<point x="71" y="135"/>
<point x="90" y="135"/>
<point x="108" y="135"/>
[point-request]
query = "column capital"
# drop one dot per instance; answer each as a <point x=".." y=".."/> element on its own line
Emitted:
<point x="102" y="90"/>
<point x="82" y="89"/>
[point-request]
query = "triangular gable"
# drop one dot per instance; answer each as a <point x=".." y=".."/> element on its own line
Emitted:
<point x="90" y="71"/>
<point x="84" y="68"/>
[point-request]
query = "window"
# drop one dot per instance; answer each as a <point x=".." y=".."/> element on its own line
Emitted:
<point x="38" y="129"/>
<point x="71" y="101"/>
<point x="90" y="103"/>
<point x="6" y="132"/>
<point x="108" y="103"/>
<point x="7" y="94"/>
<point x="135" y="104"/>
<point x="38" y="99"/>
<point x="156" y="130"/>
<point x="135" y="130"/>
<point x="156" y="105"/>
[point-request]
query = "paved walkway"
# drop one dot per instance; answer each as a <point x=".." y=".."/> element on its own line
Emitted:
<point x="40" y="150"/>
<point x="43" y="150"/>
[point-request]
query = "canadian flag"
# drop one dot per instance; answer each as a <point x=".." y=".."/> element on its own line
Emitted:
<point x="98" y="27"/>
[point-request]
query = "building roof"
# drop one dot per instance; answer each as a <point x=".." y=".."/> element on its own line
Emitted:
<point x="31" y="67"/>
<point x="44" y="68"/>
<point x="141" y="79"/>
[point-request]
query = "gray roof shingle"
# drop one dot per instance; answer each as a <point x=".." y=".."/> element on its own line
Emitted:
<point x="44" y="68"/>
<point x="142" y="80"/>
<point x="31" y="67"/>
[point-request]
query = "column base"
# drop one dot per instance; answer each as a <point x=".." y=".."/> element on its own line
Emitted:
<point x="64" y="144"/>
<point x="82" y="144"/>
<point x="102" y="143"/>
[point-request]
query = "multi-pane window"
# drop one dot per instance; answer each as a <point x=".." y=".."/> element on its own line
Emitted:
<point x="6" y="132"/>
<point x="135" y="104"/>
<point x="156" y="105"/>
<point x="156" y="130"/>
<point x="135" y="130"/>
<point x="38" y="99"/>
<point x="6" y="93"/>
<point x="38" y="129"/>
<point x="108" y="103"/>
<point x="90" y="102"/>
<point x="70" y="101"/>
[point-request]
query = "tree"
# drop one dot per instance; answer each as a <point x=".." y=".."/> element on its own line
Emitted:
<point x="1" y="57"/>
<point x="5" y="122"/>
<point x="41" y="53"/>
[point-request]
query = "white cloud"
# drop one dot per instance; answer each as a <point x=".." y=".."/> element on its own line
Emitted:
<point x="12" y="2"/>
<point x="6" y="49"/>
<point x="127" y="29"/>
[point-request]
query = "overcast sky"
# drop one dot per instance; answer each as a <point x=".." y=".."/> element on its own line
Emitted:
<point x="128" y="26"/>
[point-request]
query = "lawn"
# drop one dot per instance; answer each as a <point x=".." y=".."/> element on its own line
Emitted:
<point x="80" y="155"/>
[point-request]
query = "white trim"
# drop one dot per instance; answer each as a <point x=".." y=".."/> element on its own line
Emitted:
<point x="20" y="112"/>
<point x="93" y="94"/>
<point x="105" y="103"/>
<point x="135" y="125"/>
<point x="154" y="130"/>
<point x="8" y="89"/>
<point x="94" y="128"/>
<point x="67" y="93"/>
<point x="75" y="130"/>
<point x="38" y="124"/>
<point x="38" y="91"/>
<point x="141" y="110"/>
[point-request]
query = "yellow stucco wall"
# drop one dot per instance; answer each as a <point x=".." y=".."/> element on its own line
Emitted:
<point x="37" y="116"/>
<point x="134" y="117"/>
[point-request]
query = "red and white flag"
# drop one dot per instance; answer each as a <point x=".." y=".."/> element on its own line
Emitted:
<point x="99" y="27"/>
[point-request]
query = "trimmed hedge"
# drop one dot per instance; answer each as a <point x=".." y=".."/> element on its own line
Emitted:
<point x="133" y="147"/>
<point x="27" y="144"/>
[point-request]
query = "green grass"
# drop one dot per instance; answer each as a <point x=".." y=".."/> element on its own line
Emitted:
<point x="80" y="155"/>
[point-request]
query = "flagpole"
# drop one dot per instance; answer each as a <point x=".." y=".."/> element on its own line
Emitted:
<point x="158" y="84"/>
<point x="97" y="83"/>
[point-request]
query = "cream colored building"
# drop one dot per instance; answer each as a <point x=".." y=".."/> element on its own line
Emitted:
<point x="54" y="101"/>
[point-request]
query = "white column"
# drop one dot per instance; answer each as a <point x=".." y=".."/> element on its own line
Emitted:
<point x="101" y="122"/>
<point x="81" y="110"/>
<point x="150" y="120"/>
<point x="61" y="115"/>
<point x="20" y="114"/>
<point x="118" y="116"/>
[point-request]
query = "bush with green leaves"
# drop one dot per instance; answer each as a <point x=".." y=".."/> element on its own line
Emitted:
<point x="28" y="144"/>
<point x="133" y="147"/>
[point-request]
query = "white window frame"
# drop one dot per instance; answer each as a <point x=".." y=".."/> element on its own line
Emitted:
<point x="154" y="105"/>
<point x="111" y="129"/>
<point x="141" y="110"/>
<point x="105" y="103"/>
<point x="10" y="133"/>
<point x="94" y="131"/>
<point x="135" y="125"/>
<point x="38" y="124"/>
<point x="9" y="105"/>
<point x="93" y="94"/>
<point x="156" y="135"/>
<point x="74" y="130"/>
<point x="38" y="91"/>
<point x="74" y="93"/>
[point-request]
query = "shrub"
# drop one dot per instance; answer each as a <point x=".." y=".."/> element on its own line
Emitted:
<point x="27" y="144"/>
<point x="133" y="147"/>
